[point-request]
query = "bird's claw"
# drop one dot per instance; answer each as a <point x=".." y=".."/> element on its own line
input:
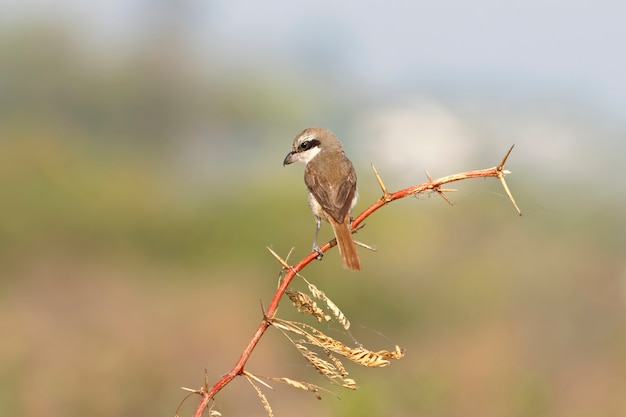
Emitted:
<point x="320" y="254"/>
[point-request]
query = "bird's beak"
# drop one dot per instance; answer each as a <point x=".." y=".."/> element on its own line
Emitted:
<point x="291" y="158"/>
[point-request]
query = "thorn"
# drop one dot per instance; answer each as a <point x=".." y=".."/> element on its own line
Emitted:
<point x="289" y="254"/>
<point x="266" y="318"/>
<point x="191" y="390"/>
<point x="443" y="194"/>
<point x="366" y="246"/>
<point x="441" y="191"/>
<point x="279" y="259"/>
<point x="501" y="173"/>
<point x="359" y="227"/>
<point x="501" y="166"/>
<point x="257" y="379"/>
<point x="508" y="192"/>
<point x="381" y="184"/>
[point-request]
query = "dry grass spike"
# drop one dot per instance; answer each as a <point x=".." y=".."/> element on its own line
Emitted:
<point x="337" y="313"/>
<point x="301" y="385"/>
<point x="338" y="364"/>
<point x="358" y="355"/>
<point x="372" y="359"/>
<point x="334" y="372"/>
<point x="260" y="394"/>
<point x="322" y="366"/>
<point x="305" y="305"/>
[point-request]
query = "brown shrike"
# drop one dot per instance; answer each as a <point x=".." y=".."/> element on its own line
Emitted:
<point x="331" y="181"/>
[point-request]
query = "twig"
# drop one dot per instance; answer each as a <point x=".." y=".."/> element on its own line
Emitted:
<point x="499" y="172"/>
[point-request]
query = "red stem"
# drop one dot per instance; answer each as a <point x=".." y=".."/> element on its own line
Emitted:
<point x="208" y="394"/>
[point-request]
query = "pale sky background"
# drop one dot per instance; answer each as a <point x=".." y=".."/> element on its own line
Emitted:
<point x="482" y="51"/>
<point x="574" y="44"/>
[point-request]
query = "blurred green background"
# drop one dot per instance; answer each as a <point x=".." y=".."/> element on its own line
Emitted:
<point x="140" y="182"/>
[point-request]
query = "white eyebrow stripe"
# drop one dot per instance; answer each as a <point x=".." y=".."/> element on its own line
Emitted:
<point x="309" y="136"/>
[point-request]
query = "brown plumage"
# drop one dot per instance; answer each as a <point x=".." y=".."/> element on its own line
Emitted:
<point x="331" y="182"/>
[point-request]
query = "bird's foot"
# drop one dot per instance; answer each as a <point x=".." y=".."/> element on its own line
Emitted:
<point x="320" y="254"/>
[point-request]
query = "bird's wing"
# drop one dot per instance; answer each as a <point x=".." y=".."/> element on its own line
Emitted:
<point x="333" y="191"/>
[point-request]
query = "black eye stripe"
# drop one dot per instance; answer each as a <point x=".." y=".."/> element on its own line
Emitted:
<point x="308" y="144"/>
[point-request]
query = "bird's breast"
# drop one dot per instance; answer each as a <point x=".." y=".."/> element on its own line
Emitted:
<point x="316" y="208"/>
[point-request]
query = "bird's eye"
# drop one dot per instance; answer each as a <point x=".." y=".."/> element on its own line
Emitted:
<point x="305" y="145"/>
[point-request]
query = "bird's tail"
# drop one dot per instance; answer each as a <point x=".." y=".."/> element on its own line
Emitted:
<point x="347" y="248"/>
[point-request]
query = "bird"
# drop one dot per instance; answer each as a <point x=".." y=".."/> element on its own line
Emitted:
<point x="331" y="182"/>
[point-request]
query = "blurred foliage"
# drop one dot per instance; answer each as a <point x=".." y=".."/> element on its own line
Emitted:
<point x="123" y="277"/>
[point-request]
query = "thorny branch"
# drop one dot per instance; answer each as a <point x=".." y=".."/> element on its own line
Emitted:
<point x="208" y="393"/>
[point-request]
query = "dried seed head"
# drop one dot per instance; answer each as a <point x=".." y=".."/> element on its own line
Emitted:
<point x="305" y="305"/>
<point x="261" y="396"/>
<point x="337" y="313"/>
